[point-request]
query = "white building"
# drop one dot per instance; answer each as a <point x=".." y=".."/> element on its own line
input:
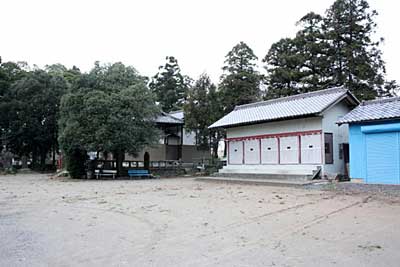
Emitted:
<point x="295" y="135"/>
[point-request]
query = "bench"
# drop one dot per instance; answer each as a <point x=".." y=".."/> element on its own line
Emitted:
<point x="100" y="173"/>
<point x="139" y="173"/>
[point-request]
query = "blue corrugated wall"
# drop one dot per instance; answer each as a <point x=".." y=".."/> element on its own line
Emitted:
<point x="358" y="149"/>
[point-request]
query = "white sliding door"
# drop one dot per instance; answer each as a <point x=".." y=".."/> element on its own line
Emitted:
<point x="311" y="148"/>
<point x="269" y="151"/>
<point x="235" y="152"/>
<point x="252" y="151"/>
<point x="289" y="150"/>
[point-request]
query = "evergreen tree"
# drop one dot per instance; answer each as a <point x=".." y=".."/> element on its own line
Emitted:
<point x="170" y="86"/>
<point x="298" y="65"/>
<point x="240" y="83"/>
<point x="354" y="57"/>
<point x="335" y="50"/>
<point x="201" y="110"/>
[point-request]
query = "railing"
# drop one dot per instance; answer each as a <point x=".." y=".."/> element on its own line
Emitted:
<point x="135" y="164"/>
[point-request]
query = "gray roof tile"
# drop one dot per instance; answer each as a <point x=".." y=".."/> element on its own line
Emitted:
<point x="283" y="108"/>
<point x="373" y="110"/>
<point x="168" y="119"/>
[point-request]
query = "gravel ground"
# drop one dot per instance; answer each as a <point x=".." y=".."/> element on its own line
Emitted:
<point x="184" y="222"/>
<point x="389" y="192"/>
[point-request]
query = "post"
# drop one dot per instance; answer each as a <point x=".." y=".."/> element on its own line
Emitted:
<point x="146" y="161"/>
<point x="180" y="145"/>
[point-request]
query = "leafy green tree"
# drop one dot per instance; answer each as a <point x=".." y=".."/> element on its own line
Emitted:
<point x="170" y="86"/>
<point x="70" y="75"/>
<point x="112" y="111"/>
<point x="201" y="110"/>
<point x="391" y="88"/>
<point x="240" y="83"/>
<point x="10" y="72"/>
<point x="32" y="108"/>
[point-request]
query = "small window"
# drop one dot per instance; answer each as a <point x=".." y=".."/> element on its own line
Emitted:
<point x="288" y="148"/>
<point x="235" y="150"/>
<point x="251" y="149"/>
<point x="269" y="148"/>
<point x="310" y="146"/>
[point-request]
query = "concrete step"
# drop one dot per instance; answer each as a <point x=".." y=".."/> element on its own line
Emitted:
<point x="267" y="171"/>
<point x="271" y="169"/>
<point x="267" y="182"/>
<point x="263" y="176"/>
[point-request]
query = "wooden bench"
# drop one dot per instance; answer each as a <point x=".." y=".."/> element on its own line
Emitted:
<point x="100" y="173"/>
<point x="139" y="173"/>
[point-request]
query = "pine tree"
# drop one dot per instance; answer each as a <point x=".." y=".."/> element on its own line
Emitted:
<point x="240" y="84"/>
<point x="201" y="110"/>
<point x="298" y="65"/>
<point x="170" y="86"/>
<point x="355" y="58"/>
<point x="335" y="50"/>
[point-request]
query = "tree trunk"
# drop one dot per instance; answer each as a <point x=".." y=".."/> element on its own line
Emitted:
<point x="215" y="144"/>
<point x="34" y="158"/>
<point x="43" y="160"/>
<point x="54" y="155"/>
<point x="119" y="157"/>
<point x="24" y="160"/>
<point x="146" y="161"/>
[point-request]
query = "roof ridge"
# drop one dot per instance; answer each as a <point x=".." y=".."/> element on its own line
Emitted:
<point x="175" y="111"/>
<point x="292" y="97"/>
<point x="381" y="101"/>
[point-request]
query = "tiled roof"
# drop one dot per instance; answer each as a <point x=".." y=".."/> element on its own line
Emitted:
<point x="168" y="119"/>
<point x="179" y="114"/>
<point x="374" y="110"/>
<point x="284" y="108"/>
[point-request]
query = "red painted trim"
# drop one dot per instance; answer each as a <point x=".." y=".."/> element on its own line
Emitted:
<point x="279" y="149"/>
<point x="243" y="162"/>
<point x="299" y="149"/>
<point x="275" y="135"/>
<point x="322" y="149"/>
<point x="227" y="151"/>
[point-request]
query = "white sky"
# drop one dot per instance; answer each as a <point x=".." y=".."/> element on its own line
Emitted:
<point x="141" y="33"/>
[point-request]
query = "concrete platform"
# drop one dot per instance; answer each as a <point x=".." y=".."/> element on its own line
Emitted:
<point x="263" y="176"/>
<point x="258" y="181"/>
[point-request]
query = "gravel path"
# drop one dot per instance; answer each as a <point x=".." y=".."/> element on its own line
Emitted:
<point x="388" y="192"/>
<point x="184" y="222"/>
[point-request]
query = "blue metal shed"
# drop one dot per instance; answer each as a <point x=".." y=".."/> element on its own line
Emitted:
<point x="374" y="137"/>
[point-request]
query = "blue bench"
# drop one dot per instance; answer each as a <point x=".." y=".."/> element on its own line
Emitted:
<point x="139" y="173"/>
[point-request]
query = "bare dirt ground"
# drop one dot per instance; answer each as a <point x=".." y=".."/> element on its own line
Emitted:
<point x="184" y="222"/>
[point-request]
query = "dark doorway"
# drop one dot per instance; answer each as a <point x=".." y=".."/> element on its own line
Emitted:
<point x="346" y="153"/>
<point x="328" y="137"/>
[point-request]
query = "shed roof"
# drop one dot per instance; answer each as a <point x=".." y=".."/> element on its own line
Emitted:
<point x="179" y="114"/>
<point x="381" y="109"/>
<point x="290" y="107"/>
<point x="165" y="118"/>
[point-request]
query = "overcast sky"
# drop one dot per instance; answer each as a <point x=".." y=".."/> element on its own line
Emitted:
<point x="141" y="33"/>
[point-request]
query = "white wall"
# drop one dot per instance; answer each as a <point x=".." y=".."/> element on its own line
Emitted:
<point x="288" y="126"/>
<point x="340" y="135"/>
<point x="189" y="138"/>
<point x="296" y="125"/>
